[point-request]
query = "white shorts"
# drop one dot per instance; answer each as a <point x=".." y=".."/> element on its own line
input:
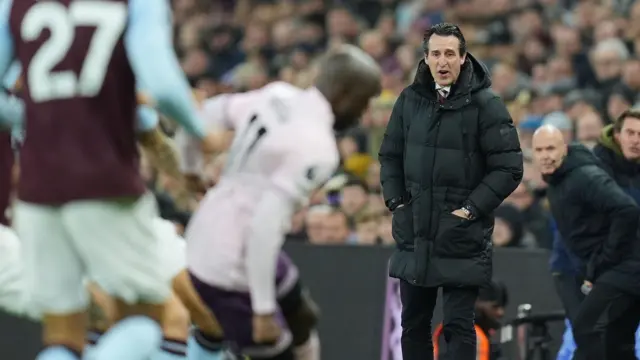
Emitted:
<point x="110" y="242"/>
<point x="12" y="294"/>
<point x="173" y="248"/>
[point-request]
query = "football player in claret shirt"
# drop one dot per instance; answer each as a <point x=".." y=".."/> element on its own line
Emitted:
<point x="83" y="209"/>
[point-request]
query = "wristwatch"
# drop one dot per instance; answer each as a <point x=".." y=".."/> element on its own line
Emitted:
<point x="468" y="212"/>
<point x="393" y="204"/>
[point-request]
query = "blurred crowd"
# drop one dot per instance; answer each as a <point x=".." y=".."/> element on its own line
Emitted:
<point x="569" y="63"/>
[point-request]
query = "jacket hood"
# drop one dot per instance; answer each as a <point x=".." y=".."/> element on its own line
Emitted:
<point x="577" y="156"/>
<point x="608" y="141"/>
<point x="474" y="76"/>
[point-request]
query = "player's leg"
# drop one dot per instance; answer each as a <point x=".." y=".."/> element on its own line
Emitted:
<point x="175" y="329"/>
<point x="235" y="315"/>
<point x="12" y="294"/>
<point x="199" y="313"/>
<point x="206" y="339"/>
<point x="123" y="257"/>
<point x="53" y="273"/>
<point x="119" y="239"/>
<point x="301" y="314"/>
<point x="102" y="315"/>
<point x="175" y="324"/>
<point x="135" y="338"/>
<point x="299" y="310"/>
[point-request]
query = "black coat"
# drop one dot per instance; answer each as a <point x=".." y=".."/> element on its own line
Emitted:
<point x="597" y="220"/>
<point x="626" y="173"/>
<point x="437" y="157"/>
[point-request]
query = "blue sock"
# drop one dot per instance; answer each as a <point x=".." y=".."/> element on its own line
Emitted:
<point x="197" y="351"/>
<point x="93" y="336"/>
<point x="89" y="352"/>
<point x="134" y="338"/>
<point x="57" y="353"/>
<point x="171" y="350"/>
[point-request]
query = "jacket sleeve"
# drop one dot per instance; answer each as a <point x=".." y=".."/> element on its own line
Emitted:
<point x="391" y="155"/>
<point x="601" y="192"/>
<point x="500" y="147"/>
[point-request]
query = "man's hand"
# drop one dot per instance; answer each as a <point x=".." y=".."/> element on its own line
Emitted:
<point x="216" y="141"/>
<point x="265" y="329"/>
<point x="461" y="214"/>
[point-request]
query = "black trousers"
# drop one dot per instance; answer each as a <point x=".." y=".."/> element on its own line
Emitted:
<point x="417" y="311"/>
<point x="605" y="325"/>
<point x="568" y="289"/>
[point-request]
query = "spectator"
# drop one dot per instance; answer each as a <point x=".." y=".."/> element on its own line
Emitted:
<point x="336" y="229"/>
<point x="536" y="220"/>
<point x="509" y="229"/>
<point x="619" y="152"/>
<point x="588" y="129"/>
<point x="353" y="198"/>
<point x="315" y="223"/>
<point x="367" y="229"/>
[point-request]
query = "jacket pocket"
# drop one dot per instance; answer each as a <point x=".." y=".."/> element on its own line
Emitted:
<point x="458" y="238"/>
<point x="402" y="227"/>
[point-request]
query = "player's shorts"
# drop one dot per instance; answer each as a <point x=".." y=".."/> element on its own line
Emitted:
<point x="12" y="295"/>
<point x="287" y="276"/>
<point x="113" y="243"/>
<point x="173" y="248"/>
<point x="234" y="313"/>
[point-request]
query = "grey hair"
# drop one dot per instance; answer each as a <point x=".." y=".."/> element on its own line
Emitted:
<point x="613" y="45"/>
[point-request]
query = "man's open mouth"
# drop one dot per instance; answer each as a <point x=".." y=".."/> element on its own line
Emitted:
<point x="443" y="72"/>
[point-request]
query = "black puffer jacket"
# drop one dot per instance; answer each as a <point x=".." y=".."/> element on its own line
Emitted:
<point x="597" y="220"/>
<point x="437" y="157"/>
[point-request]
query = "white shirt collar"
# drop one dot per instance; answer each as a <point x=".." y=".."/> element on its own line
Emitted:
<point x="447" y="89"/>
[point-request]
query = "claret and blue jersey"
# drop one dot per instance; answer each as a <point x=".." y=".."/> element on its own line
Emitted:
<point x="82" y="64"/>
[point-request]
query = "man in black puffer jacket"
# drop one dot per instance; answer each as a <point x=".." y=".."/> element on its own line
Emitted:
<point x="450" y="155"/>
<point x="598" y="223"/>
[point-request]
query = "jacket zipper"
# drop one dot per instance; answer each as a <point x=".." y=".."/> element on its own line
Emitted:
<point x="465" y="150"/>
<point x="421" y="272"/>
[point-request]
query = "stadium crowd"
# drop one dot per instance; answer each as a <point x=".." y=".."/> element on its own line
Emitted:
<point x="568" y="63"/>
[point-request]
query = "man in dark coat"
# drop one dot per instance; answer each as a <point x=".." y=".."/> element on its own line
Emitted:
<point x="598" y="223"/>
<point x="450" y="155"/>
<point x="619" y="151"/>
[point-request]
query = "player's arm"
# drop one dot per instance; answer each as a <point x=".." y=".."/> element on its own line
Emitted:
<point x="274" y="209"/>
<point x="149" y="46"/>
<point x="161" y="152"/>
<point x="11" y="111"/>
<point x="7" y="106"/>
<point x="221" y="114"/>
<point x="292" y="183"/>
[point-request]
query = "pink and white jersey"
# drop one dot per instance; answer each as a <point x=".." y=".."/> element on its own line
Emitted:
<point x="284" y="143"/>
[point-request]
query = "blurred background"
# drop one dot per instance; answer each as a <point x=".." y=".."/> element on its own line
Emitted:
<point x="569" y="63"/>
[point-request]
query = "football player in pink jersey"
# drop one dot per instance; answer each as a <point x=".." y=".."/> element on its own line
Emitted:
<point x="283" y="148"/>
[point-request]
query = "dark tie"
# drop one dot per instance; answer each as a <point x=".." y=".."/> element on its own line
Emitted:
<point x="442" y="94"/>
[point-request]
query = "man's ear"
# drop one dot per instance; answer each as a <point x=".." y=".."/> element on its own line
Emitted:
<point x="463" y="58"/>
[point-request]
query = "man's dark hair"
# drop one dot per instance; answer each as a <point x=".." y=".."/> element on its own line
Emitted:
<point x="444" y="29"/>
<point x="619" y="122"/>
<point x="356" y="181"/>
